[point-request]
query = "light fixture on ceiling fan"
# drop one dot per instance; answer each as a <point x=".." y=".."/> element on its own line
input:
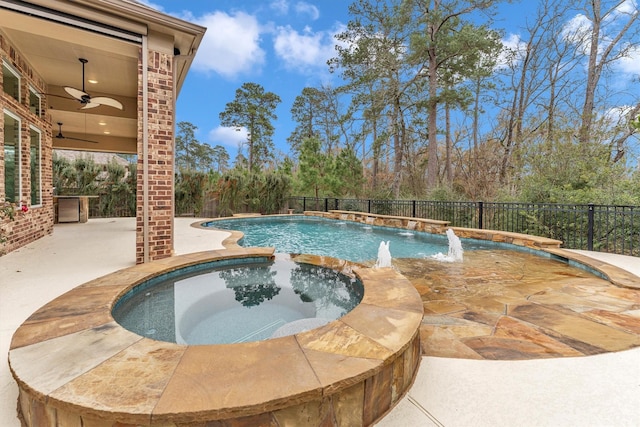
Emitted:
<point x="61" y="136"/>
<point x="86" y="99"/>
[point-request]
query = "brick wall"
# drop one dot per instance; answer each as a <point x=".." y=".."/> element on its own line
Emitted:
<point x="38" y="220"/>
<point x="160" y="158"/>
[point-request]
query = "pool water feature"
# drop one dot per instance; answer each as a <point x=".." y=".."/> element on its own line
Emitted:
<point x="227" y="304"/>
<point x="347" y="240"/>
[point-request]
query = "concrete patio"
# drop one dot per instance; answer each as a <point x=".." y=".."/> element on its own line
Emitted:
<point x="600" y="390"/>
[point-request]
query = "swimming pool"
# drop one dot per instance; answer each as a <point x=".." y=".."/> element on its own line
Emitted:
<point x="347" y="240"/>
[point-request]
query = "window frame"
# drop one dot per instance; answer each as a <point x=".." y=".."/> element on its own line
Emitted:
<point x="16" y="74"/>
<point x="16" y="198"/>
<point x="35" y="131"/>
<point x="34" y="92"/>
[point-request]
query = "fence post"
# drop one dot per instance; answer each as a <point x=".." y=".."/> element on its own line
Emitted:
<point x="337" y="204"/>
<point x="369" y="206"/>
<point x="480" y="215"/>
<point x="590" y="224"/>
<point x="326" y="204"/>
<point x="413" y="208"/>
<point x="304" y="204"/>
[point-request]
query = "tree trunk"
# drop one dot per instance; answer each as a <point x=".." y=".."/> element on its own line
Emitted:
<point x="398" y="148"/>
<point x="432" y="131"/>
<point x="448" y="166"/>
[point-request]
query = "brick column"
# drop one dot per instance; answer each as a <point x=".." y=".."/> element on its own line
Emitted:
<point x="160" y="127"/>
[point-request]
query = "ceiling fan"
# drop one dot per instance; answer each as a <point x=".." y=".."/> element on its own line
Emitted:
<point x="86" y="99"/>
<point x="61" y="136"/>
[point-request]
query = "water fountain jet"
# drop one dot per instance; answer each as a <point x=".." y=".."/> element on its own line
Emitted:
<point x="384" y="255"/>
<point x="455" y="253"/>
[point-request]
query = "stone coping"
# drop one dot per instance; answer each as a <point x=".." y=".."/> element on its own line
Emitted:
<point x="74" y="364"/>
<point x="616" y="275"/>
<point x="440" y="227"/>
<point x="403" y="218"/>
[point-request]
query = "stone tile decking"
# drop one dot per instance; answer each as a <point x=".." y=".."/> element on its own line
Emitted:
<point x="510" y="305"/>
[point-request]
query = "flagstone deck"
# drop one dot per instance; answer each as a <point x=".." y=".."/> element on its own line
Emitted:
<point x="506" y="305"/>
<point x="542" y="302"/>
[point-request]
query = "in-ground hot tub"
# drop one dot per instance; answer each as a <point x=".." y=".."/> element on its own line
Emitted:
<point x="75" y="365"/>
<point x="233" y="301"/>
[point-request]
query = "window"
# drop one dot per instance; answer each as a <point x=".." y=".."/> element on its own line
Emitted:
<point x="35" y="102"/>
<point x="11" y="81"/>
<point x="11" y="157"/>
<point x="36" y="171"/>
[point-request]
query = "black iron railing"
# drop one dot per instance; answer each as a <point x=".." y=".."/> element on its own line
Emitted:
<point x="613" y="229"/>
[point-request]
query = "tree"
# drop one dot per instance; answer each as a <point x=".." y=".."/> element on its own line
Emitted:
<point x="186" y="146"/>
<point x="253" y="109"/>
<point x="315" y="168"/>
<point x="318" y="113"/>
<point x="348" y="173"/>
<point x="191" y="155"/>
<point x="372" y="59"/>
<point x="603" y="47"/>
<point x="220" y="158"/>
<point x="395" y="53"/>
<point x="303" y="112"/>
<point x="447" y="43"/>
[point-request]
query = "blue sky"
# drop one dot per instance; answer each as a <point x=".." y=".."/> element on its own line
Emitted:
<point x="282" y="45"/>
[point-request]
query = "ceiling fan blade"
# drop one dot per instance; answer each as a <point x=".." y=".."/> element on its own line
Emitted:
<point x="103" y="100"/>
<point x="61" y="136"/>
<point x="77" y="94"/>
<point x="80" y="139"/>
<point x="90" y="104"/>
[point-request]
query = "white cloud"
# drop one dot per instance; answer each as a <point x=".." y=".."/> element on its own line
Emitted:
<point x="630" y="64"/>
<point x="627" y="7"/>
<point x="578" y="31"/>
<point x="618" y="115"/>
<point x="304" y="51"/>
<point x="231" y="44"/>
<point x="304" y="8"/>
<point x="152" y="5"/>
<point x="513" y="50"/>
<point x="280" y="6"/>
<point x="228" y="136"/>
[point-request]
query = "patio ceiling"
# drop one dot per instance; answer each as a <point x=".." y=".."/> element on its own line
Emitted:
<point x="53" y="50"/>
<point x="53" y="35"/>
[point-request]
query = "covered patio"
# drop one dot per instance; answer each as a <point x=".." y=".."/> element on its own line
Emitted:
<point x="98" y="76"/>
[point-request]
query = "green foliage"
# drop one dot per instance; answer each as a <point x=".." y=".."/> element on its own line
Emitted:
<point x="76" y="177"/>
<point x="118" y="191"/>
<point x="189" y="192"/>
<point x="191" y="155"/>
<point x="349" y="178"/>
<point x="569" y="172"/>
<point x="444" y="193"/>
<point x="314" y="169"/>
<point x="115" y="186"/>
<point x="252" y="110"/>
<point x="7" y="213"/>
<point x="244" y="191"/>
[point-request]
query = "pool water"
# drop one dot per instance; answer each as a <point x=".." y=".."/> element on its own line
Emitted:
<point x="347" y="240"/>
<point x="231" y="304"/>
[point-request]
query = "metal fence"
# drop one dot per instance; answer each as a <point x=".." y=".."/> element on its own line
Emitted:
<point x="613" y="229"/>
